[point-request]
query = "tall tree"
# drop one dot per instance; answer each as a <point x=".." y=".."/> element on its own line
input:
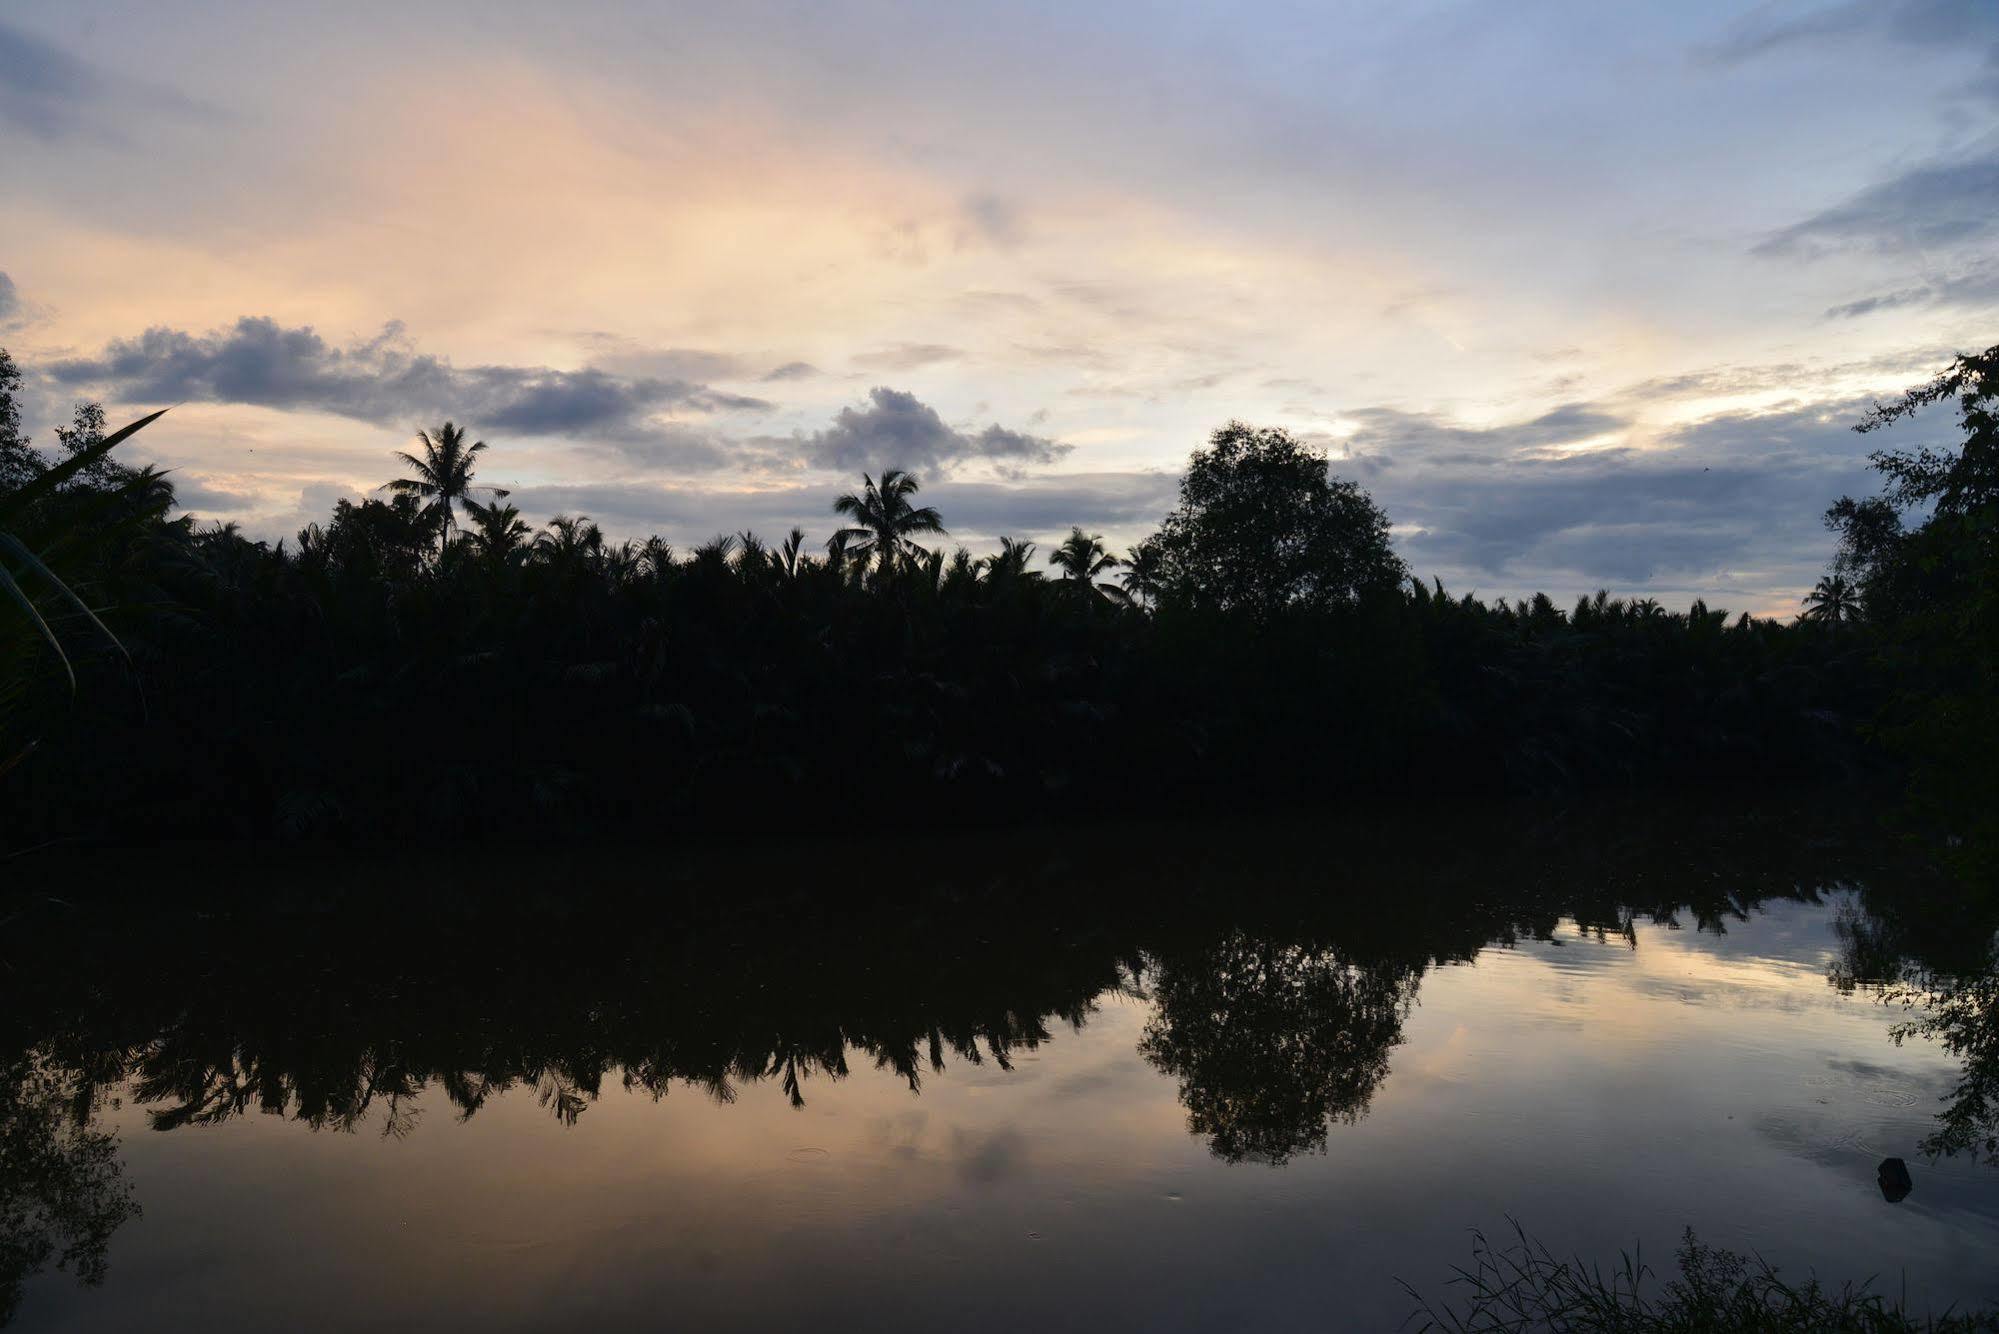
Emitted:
<point x="884" y="520"/>
<point x="1931" y="590"/>
<point x="1263" y="525"/>
<point x="82" y="436"/>
<point x="1081" y="558"/>
<point x="19" y="464"/>
<point x="1008" y="565"/>
<point x="443" y="476"/>
<point x="570" y="544"/>
<point x="499" y="534"/>
<point x="1833" y="599"/>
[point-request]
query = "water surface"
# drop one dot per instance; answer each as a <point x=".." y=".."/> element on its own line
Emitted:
<point x="1237" y="1082"/>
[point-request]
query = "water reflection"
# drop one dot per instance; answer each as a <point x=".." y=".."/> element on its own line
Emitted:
<point x="1275" y="985"/>
<point x="1274" y="1042"/>
<point x="1938" y="963"/>
<point x="62" y="1192"/>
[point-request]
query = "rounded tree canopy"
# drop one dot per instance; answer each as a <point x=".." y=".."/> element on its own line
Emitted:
<point x="1263" y="526"/>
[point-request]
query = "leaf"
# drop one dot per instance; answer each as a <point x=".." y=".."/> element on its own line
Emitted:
<point x="69" y="467"/>
<point x="13" y="590"/>
<point x="9" y="542"/>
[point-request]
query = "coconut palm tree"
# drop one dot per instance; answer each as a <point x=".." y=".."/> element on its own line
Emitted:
<point x="788" y="559"/>
<point x="1143" y="574"/>
<point x="1833" y="598"/>
<point x="499" y="533"/>
<point x="1081" y="558"/>
<point x="570" y="544"/>
<point x="884" y="520"/>
<point x="1009" y="564"/>
<point x="443" y="477"/>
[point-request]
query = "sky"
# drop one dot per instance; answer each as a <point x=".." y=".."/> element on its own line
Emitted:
<point x="1585" y="295"/>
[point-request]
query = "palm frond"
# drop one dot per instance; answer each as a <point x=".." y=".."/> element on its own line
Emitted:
<point x="27" y="606"/>
<point x="8" y="542"/>
<point x="16" y="501"/>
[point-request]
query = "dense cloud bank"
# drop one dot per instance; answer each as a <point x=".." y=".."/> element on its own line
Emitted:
<point x="383" y="379"/>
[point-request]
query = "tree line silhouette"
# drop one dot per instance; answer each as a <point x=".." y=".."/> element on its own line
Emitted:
<point x="425" y="662"/>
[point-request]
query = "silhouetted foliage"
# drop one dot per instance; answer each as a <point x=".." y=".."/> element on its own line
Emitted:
<point x="884" y="521"/>
<point x="442" y="477"/>
<point x="1923" y="562"/>
<point x="19" y="463"/>
<point x="1526" y="1287"/>
<point x="1263" y="527"/>
<point x="1262" y="647"/>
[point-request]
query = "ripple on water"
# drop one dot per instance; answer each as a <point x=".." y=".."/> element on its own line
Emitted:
<point x="1890" y="1095"/>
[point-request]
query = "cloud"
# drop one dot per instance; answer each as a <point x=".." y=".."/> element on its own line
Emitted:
<point x="43" y="89"/>
<point x="1761" y="33"/>
<point x="1730" y="501"/>
<point x="10" y="301"/>
<point x="1867" y="305"/>
<point x="1937" y="205"/>
<point x="1936" y="23"/>
<point x="1978" y="286"/>
<point x="385" y="380"/>
<point x="791" y="370"/>
<point x="192" y="493"/>
<point x="906" y="356"/>
<point x="624" y="356"/>
<point x="51" y="94"/>
<point x="897" y="430"/>
<point x="1389" y="438"/>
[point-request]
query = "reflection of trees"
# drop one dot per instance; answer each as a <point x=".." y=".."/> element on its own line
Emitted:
<point x="650" y="1007"/>
<point x="1962" y="1017"/>
<point x="1273" y="1042"/>
<point x="1282" y="979"/>
<point x="62" y="1193"/>
<point x="1945" y="976"/>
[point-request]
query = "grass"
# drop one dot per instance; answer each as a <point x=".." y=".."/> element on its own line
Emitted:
<point x="1524" y="1286"/>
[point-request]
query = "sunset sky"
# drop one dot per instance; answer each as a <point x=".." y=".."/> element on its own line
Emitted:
<point x="1586" y="294"/>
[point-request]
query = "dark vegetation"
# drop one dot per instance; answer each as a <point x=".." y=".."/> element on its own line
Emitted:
<point x="426" y="665"/>
<point x="1526" y="1287"/>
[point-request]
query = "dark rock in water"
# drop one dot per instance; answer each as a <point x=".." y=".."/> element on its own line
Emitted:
<point x="1894" y="1177"/>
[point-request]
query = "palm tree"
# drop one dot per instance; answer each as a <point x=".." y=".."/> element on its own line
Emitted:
<point x="788" y="559"/>
<point x="1834" y="599"/>
<point x="883" y="518"/>
<point x="1081" y="558"/>
<point x="570" y="544"/>
<point x="1009" y="563"/>
<point x="443" y="476"/>
<point x="1143" y="573"/>
<point x="499" y="533"/>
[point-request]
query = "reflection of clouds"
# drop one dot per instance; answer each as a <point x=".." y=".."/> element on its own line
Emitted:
<point x="987" y="1157"/>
